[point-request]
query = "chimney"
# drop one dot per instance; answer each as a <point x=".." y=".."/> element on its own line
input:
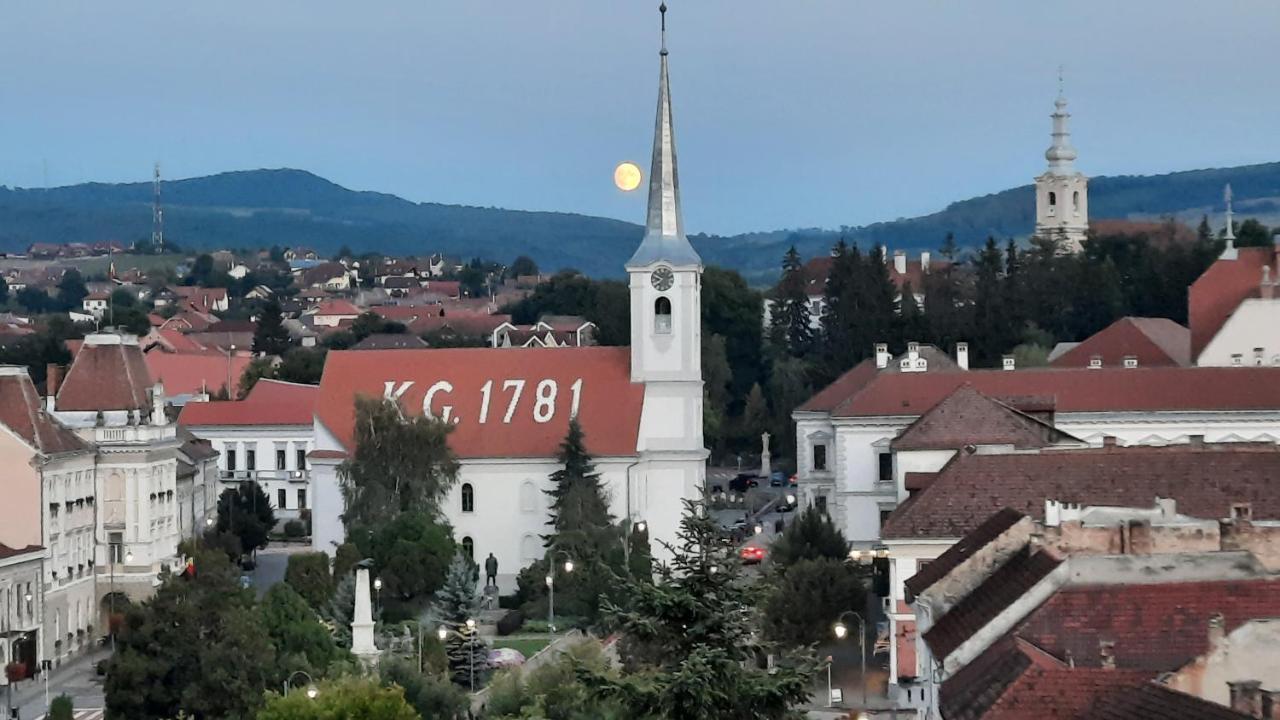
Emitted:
<point x="913" y="350"/>
<point x="1107" y="654"/>
<point x="924" y="261"/>
<point x="882" y="355"/>
<point x="157" y="404"/>
<point x="1246" y="697"/>
<point x="1271" y="704"/>
<point x="1168" y="507"/>
<point x="1267" y="289"/>
<point x="900" y="262"/>
<point x="1217" y="630"/>
<point x="962" y="355"/>
<point x="1007" y="362"/>
<point x="52" y="382"/>
<point x="1131" y="361"/>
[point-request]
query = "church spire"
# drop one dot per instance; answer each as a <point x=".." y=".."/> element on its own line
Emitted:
<point x="664" y="238"/>
<point x="1061" y="155"/>
<point x="1231" y="231"/>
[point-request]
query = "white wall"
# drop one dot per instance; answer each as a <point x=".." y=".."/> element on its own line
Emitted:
<point x="917" y="461"/>
<point x="1248" y="653"/>
<point x="1254" y="324"/>
<point x="264" y="441"/>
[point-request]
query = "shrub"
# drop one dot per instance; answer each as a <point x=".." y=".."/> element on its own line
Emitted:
<point x="511" y="622"/>
<point x="61" y="709"/>
<point x="295" y="529"/>
<point x="308" y="573"/>
<point x="508" y="602"/>
<point x="345" y="559"/>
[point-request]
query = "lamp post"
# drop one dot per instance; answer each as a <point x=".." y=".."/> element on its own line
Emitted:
<point x="470" y="637"/>
<point x="841" y="630"/>
<point x="311" y="684"/>
<point x="377" y="596"/>
<point x="551" y="585"/>
<point x="633" y="526"/>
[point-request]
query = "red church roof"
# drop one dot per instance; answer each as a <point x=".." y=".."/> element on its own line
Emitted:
<point x="515" y="423"/>
<point x="270" y="402"/>
<point x="1220" y="289"/>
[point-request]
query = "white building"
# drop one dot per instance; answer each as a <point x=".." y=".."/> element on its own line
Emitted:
<point x="264" y="438"/>
<point x="1062" y="192"/>
<point x="640" y="407"/>
<point x="21" y="615"/>
<point x="108" y="399"/>
<point x="49" y="503"/>
<point x="1233" y="311"/>
<point x="844" y="434"/>
<point x="197" y="486"/>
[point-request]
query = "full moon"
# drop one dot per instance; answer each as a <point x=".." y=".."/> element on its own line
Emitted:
<point x="627" y="176"/>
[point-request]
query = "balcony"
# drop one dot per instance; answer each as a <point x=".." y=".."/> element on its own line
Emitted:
<point x="297" y="476"/>
<point x="134" y="434"/>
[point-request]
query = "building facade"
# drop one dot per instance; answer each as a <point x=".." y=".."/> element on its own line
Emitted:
<point x="21" y="615"/>
<point x="640" y="407"/>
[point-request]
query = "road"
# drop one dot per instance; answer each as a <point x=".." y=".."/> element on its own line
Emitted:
<point x="76" y="679"/>
<point x="272" y="563"/>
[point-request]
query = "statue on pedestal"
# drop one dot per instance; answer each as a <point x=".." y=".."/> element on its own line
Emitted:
<point x="766" y="468"/>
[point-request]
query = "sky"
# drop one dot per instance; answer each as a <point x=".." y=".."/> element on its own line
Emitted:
<point x="790" y="113"/>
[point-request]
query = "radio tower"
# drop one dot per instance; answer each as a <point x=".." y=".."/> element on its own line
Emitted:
<point x="157" y="216"/>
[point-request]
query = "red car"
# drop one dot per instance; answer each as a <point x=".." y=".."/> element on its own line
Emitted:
<point x="752" y="555"/>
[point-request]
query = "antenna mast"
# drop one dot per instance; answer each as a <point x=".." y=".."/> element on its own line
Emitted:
<point x="157" y="215"/>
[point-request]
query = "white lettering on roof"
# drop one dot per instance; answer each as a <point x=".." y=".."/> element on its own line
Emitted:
<point x="446" y="413"/>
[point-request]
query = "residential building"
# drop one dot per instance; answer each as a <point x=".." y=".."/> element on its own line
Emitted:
<point x="640" y="407"/>
<point x="549" y="331"/>
<point x="107" y="397"/>
<point x="332" y="312"/>
<point x="21" y="617"/>
<point x="49" y="503"/>
<point x="95" y="303"/>
<point x="264" y="438"/>
<point x="1234" y="312"/>
<point x="198" y="486"/>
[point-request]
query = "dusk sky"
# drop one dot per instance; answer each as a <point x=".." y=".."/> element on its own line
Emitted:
<point x="792" y="113"/>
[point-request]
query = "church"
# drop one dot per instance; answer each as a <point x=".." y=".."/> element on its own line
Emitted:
<point x="640" y="407"/>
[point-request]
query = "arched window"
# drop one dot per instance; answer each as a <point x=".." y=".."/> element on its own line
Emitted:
<point x="1075" y="201"/>
<point x="662" y="315"/>
<point x="1053" y="198"/>
<point x="469" y="547"/>
<point x="529" y="548"/>
<point x="468" y="498"/>
<point x="528" y="497"/>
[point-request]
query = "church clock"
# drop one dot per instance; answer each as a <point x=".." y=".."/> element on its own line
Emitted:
<point x="663" y="279"/>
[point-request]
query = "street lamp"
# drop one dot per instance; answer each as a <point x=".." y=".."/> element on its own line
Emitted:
<point x="841" y="630"/>
<point x="551" y="585"/>
<point x="377" y="594"/>
<point x="311" y="684"/>
<point x="470" y="637"/>
<point x="633" y="527"/>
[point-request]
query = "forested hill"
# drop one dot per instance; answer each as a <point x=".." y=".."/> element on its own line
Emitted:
<point x="292" y="207"/>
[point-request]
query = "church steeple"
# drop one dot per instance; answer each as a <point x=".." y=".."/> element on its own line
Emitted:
<point x="664" y="238"/>
<point x="1061" y="155"/>
<point x="1062" y="192"/>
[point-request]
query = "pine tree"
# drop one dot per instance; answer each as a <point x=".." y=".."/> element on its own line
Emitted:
<point x="791" y="331"/>
<point x="755" y="414"/>
<point x="271" y="337"/>
<point x="1204" y="232"/>
<point x="949" y="249"/>
<point x="812" y="535"/>
<point x="579" y="508"/>
<point x="456" y="602"/>
<point x="341" y="610"/>
<point x="841" y="300"/>
<point x="694" y="641"/>
<point x="878" y="314"/>
<point x="989" y="316"/>
<point x="911" y="319"/>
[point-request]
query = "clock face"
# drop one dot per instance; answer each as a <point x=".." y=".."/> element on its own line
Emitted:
<point x="663" y="279"/>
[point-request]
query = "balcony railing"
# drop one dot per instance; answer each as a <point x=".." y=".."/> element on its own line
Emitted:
<point x="134" y="434"/>
<point x="261" y="475"/>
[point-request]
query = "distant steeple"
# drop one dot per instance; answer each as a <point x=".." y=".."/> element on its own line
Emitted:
<point x="1061" y="155"/>
<point x="664" y="238"/>
<point x="1226" y="198"/>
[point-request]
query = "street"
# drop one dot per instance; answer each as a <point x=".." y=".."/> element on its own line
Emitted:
<point x="76" y="679"/>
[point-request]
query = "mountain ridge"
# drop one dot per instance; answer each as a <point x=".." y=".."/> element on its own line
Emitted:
<point x="286" y="206"/>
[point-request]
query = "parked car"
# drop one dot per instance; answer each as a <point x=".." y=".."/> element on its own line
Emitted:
<point x="744" y="482"/>
<point x="752" y="555"/>
<point x="777" y="478"/>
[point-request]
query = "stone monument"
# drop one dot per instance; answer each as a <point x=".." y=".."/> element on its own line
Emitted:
<point x="766" y="468"/>
<point x="362" y="621"/>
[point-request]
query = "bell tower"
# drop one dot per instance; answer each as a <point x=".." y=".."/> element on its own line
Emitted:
<point x="1062" y="192"/>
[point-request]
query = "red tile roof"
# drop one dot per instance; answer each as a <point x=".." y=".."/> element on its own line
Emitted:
<point x="1204" y="481"/>
<point x="1062" y="693"/>
<point x="1076" y="390"/>
<point x="190" y="373"/>
<point x="471" y="324"/>
<point x="967" y="417"/>
<point x="337" y="307"/>
<point x="22" y="412"/>
<point x="1153" y="341"/>
<point x="609" y="403"/>
<point x="1157" y="627"/>
<point x="1005" y="586"/>
<point x="270" y="402"/>
<point x="853" y="381"/>
<point x="448" y="288"/>
<point x="173" y="341"/>
<point x="1152" y="701"/>
<point x="971" y="543"/>
<point x="106" y="377"/>
<point x="1220" y="289"/>
<point x="974" y="688"/>
<point x="7" y="552"/>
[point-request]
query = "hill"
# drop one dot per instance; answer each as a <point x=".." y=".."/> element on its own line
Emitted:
<point x="285" y="207"/>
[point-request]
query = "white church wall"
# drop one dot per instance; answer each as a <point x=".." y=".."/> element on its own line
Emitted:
<point x="1250" y="337"/>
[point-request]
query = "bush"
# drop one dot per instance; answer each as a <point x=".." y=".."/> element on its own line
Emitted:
<point x="308" y="573"/>
<point x="508" y="602"/>
<point x="432" y="695"/>
<point x="61" y="709"/>
<point x="345" y="559"/>
<point x="511" y="622"/>
<point x="295" y="529"/>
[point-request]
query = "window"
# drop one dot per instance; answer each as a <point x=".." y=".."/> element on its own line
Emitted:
<point x="302" y="498"/>
<point x="1053" y="198"/>
<point x="884" y="516"/>
<point x="820" y="504"/>
<point x="662" y="316"/>
<point x="469" y="547"/>
<point x="819" y="457"/>
<point x="115" y="549"/>
<point x="529" y="546"/>
<point x="302" y="459"/>
<point x="282" y="499"/>
<point x="528" y="497"/>
<point x="231" y="459"/>
<point x="250" y="460"/>
<point x="468" y="498"/>
<point x="280" y="459"/>
<point x="886" y="467"/>
<point x="1075" y="201"/>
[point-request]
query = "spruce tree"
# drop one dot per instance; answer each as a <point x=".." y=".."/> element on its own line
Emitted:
<point x="839" y="351"/>
<point x="456" y="602"/>
<point x="877" y="314"/>
<point x="791" y="330"/>
<point x="579" y="508"/>
<point x="270" y="337"/>
<point x="989" y="316"/>
<point x="1204" y="232"/>
<point x="694" y="641"/>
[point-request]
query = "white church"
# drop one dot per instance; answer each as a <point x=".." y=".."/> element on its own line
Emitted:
<point x="1062" y="192"/>
<point x="640" y="407"/>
